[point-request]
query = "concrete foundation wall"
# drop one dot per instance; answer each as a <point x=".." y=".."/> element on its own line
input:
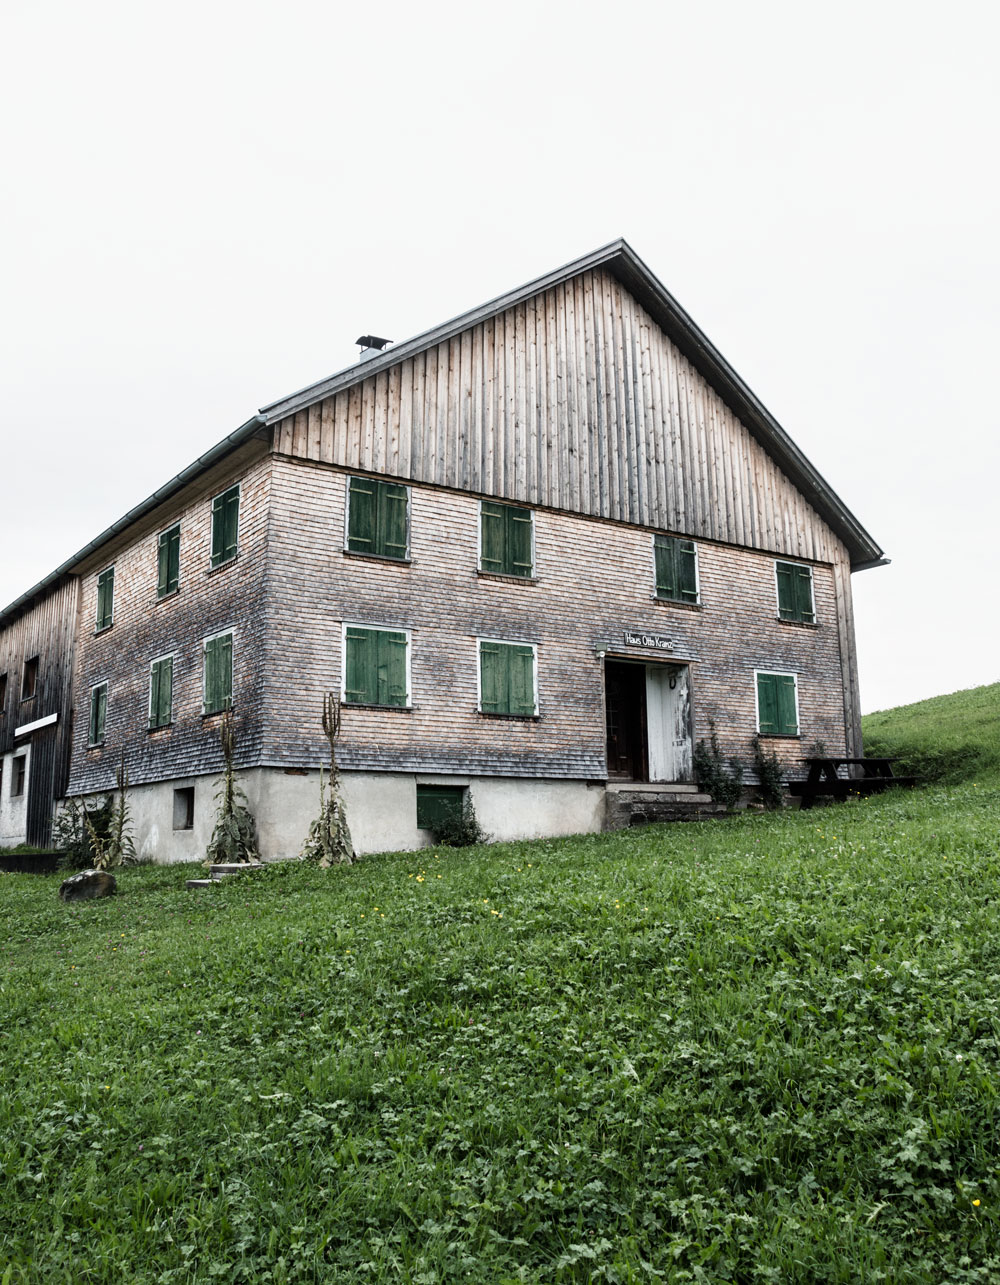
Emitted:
<point x="381" y="810"/>
<point x="14" y="807"/>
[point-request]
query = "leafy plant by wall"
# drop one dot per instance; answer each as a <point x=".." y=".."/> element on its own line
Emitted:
<point x="719" y="777"/>
<point x="234" y="839"/>
<point x="328" y="842"/>
<point x="771" y="785"/>
<point x="460" y="828"/>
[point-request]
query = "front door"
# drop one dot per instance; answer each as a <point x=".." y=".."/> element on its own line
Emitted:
<point x="625" y="688"/>
<point x="668" y="722"/>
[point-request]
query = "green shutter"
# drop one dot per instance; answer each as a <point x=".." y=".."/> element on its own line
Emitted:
<point x="361" y="516"/>
<point x="676" y="569"/>
<point x="506" y="678"/>
<point x="519" y="561"/>
<point x="392" y="664"/>
<point x="218" y="673"/>
<point x="666" y="571"/>
<point x="521" y="666"/>
<point x="795" y="591"/>
<point x="392" y="511"/>
<point x="98" y="710"/>
<point x="785" y="689"/>
<point x="490" y="677"/>
<point x="161" y="682"/>
<point x="438" y="803"/>
<point x="375" y="667"/>
<point x="105" y="598"/>
<point x="225" y="525"/>
<point x="804" y="594"/>
<point x="687" y="570"/>
<point x="767" y="705"/>
<point x="168" y="564"/>
<point x="493" y="526"/>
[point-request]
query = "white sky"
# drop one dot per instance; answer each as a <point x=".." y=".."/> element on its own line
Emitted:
<point x="204" y="204"/>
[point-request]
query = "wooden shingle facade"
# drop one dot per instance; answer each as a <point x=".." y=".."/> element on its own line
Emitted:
<point x="545" y="546"/>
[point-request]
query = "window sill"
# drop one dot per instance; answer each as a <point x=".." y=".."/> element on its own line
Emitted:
<point x="166" y="597"/>
<point x="215" y="713"/>
<point x="160" y="727"/>
<point x="104" y="629"/>
<point x="517" y="718"/>
<point x="378" y="557"/>
<point x="676" y="602"/>
<point x="798" y="624"/>
<point x="396" y="709"/>
<point x="97" y="745"/>
<point x="506" y="579"/>
<point x="780" y="736"/>
<point x="221" y="566"/>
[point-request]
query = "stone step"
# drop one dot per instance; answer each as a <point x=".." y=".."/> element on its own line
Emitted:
<point x="234" y="867"/>
<point x="651" y="787"/>
<point x="199" y="883"/>
<point x="629" y="798"/>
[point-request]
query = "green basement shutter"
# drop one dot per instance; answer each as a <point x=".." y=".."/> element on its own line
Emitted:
<point x="225" y="525"/>
<point x="161" y="684"/>
<point x="168" y="561"/>
<point x="98" y="711"/>
<point x="795" y="592"/>
<point x="506" y="540"/>
<point x="218" y="673"/>
<point x="377" y="518"/>
<point x="506" y="678"/>
<point x="676" y="569"/>
<point x="776" y="705"/>
<point x="438" y="803"/>
<point x="105" y="598"/>
<point x="375" y="672"/>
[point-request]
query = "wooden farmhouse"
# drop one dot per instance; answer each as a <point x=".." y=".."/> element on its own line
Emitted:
<point x="539" y="551"/>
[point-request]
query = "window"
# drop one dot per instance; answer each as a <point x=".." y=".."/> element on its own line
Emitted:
<point x="795" y="592"/>
<point x="105" y="599"/>
<point x="161" y="691"/>
<point x="225" y="525"/>
<point x="376" y="665"/>
<point x="3" y="692"/>
<point x="29" y="678"/>
<point x="437" y="803"/>
<point x="98" y="713"/>
<point x="378" y="518"/>
<point x="676" y="568"/>
<point x="168" y="561"/>
<point x="184" y="808"/>
<point x="218" y="681"/>
<point x="506" y="540"/>
<point x="777" y="705"/>
<point x="20" y="766"/>
<point x="506" y="678"/>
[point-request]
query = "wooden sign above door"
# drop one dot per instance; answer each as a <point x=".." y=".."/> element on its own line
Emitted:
<point x="656" y="642"/>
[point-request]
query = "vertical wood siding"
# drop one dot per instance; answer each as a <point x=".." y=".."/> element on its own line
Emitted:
<point x="575" y="400"/>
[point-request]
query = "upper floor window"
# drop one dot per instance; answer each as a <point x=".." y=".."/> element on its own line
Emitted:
<point x="168" y="561"/>
<point x="29" y="678"/>
<point x="225" y="525"/>
<point x="507" y="678"/>
<point x="105" y="599"/>
<point x="777" y="704"/>
<point x="795" y="592"/>
<point x="376" y="666"/>
<point x="218" y="677"/>
<point x="378" y="518"/>
<point x="506" y="543"/>
<point x="161" y="691"/>
<point x="3" y="692"/>
<point x="676" y="568"/>
<point x="98" y="714"/>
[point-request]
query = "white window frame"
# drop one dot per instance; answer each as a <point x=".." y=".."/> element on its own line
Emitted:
<point x="100" y="629"/>
<point x="94" y="745"/>
<point x="479" y="542"/>
<point x="347" y="518"/>
<point x="159" y="537"/>
<point x="386" y="629"/>
<point x="204" y="668"/>
<point x="171" y="656"/>
<point x="777" y="673"/>
<point x="211" y="528"/>
<point x="793" y="562"/>
<point x="506" y="642"/>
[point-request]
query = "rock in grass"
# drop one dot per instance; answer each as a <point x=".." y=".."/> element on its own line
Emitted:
<point x="86" y="885"/>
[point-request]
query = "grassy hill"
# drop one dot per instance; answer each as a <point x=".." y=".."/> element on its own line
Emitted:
<point x="761" y="1049"/>
<point x="948" y="738"/>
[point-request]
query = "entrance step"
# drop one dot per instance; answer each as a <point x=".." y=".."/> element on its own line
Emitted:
<point x="223" y="870"/>
<point x="651" y="787"/>
<point x="642" y="803"/>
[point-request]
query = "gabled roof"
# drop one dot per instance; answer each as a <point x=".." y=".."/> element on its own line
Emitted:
<point x="624" y="264"/>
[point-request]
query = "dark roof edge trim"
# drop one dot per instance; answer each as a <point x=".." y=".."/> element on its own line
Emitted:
<point x="203" y="462"/>
<point x="623" y="262"/>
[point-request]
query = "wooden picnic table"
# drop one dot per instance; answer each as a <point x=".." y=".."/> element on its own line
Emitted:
<point x="824" y="778"/>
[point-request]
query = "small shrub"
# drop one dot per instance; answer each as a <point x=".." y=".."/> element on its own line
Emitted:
<point x="460" y="827"/>
<point x="771" y="783"/>
<point x="234" y="839"/>
<point x="718" y="777"/>
<point x="75" y="826"/>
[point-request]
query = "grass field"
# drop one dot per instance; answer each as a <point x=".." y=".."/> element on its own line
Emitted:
<point x="758" y="1049"/>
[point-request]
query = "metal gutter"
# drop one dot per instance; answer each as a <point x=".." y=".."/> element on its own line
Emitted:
<point x="203" y="462"/>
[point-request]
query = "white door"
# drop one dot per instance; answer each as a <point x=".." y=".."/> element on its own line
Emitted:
<point x="668" y="720"/>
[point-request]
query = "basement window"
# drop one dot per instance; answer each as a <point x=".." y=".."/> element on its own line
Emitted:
<point x="184" y="808"/>
<point x="20" y="766"/>
<point x="437" y="803"/>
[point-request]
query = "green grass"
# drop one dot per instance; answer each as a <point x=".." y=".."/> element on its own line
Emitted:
<point x="947" y="738"/>
<point x="758" y="1049"/>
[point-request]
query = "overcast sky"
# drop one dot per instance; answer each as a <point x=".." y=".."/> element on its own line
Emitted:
<point x="204" y="204"/>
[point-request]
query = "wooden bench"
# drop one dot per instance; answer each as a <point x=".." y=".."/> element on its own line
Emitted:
<point x="824" y="780"/>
